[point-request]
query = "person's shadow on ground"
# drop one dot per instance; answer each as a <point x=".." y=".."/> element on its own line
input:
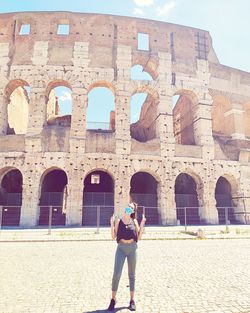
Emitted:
<point x="105" y="310"/>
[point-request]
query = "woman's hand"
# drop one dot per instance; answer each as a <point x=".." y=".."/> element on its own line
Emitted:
<point x="143" y="221"/>
<point x="112" y="220"/>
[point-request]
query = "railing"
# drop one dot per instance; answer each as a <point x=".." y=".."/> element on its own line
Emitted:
<point x="98" y="126"/>
<point x="98" y="216"/>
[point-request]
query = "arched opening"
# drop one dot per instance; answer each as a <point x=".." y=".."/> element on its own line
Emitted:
<point x="139" y="73"/>
<point x="98" y="193"/>
<point x="101" y="110"/>
<point x="143" y="115"/>
<point x="11" y="197"/>
<point x="186" y="199"/>
<point x="143" y="191"/>
<point x="18" y="97"/>
<point x="59" y="104"/>
<point x="53" y="193"/>
<point x="222" y="124"/>
<point x="183" y="117"/>
<point x="224" y="202"/>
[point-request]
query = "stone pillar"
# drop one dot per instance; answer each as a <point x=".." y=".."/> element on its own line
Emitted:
<point x="207" y="203"/>
<point x="164" y="122"/>
<point x="78" y="121"/>
<point x="203" y="126"/>
<point x="3" y="114"/>
<point x="30" y="198"/>
<point x="166" y="202"/>
<point x="74" y="200"/>
<point x="235" y="118"/>
<point x="123" y="98"/>
<point x="122" y="123"/>
<point x="122" y="187"/>
<point x="37" y="120"/>
<point x="164" y="126"/>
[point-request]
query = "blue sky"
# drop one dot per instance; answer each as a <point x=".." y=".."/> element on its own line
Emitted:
<point x="227" y="20"/>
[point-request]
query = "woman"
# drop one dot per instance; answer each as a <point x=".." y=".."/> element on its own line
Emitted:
<point x="127" y="232"/>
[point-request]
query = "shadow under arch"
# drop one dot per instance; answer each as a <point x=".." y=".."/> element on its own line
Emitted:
<point x="187" y="198"/>
<point x="11" y="188"/>
<point x="226" y="192"/>
<point x="53" y="194"/>
<point x="98" y="198"/>
<point x="144" y="191"/>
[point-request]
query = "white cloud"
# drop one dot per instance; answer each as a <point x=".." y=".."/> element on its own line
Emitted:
<point x="138" y="11"/>
<point x="66" y="96"/>
<point x="144" y="3"/>
<point x="165" y="9"/>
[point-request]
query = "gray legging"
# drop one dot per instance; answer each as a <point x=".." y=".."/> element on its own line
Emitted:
<point x="124" y="251"/>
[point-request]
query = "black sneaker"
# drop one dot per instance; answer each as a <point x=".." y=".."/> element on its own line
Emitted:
<point x="111" y="305"/>
<point x="132" y="306"/>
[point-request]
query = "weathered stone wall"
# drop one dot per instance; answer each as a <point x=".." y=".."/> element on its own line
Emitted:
<point x="100" y="51"/>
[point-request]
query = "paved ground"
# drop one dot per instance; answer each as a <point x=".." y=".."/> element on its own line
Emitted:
<point x="152" y="232"/>
<point x="191" y="276"/>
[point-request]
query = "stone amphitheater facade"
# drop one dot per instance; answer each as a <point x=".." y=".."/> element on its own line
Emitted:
<point x="206" y="137"/>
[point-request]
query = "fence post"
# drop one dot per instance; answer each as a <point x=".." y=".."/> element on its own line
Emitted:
<point x="185" y="216"/>
<point x="1" y="217"/>
<point x="50" y="219"/>
<point x="98" y="214"/>
<point x="226" y="217"/>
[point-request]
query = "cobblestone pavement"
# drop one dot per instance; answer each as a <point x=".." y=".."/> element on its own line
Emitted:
<point x="191" y="276"/>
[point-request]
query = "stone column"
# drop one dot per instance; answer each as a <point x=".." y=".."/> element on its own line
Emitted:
<point x="166" y="202"/>
<point x="122" y="186"/>
<point x="164" y="122"/>
<point x="3" y="114"/>
<point x="74" y="200"/>
<point x="78" y="120"/>
<point x="122" y="123"/>
<point x="123" y="98"/>
<point x="37" y="120"/>
<point x="30" y="201"/>
<point x="203" y="126"/>
<point x="235" y="118"/>
<point x="164" y="126"/>
<point x="206" y="197"/>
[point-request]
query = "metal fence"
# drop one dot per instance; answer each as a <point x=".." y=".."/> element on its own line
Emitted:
<point x="98" y="126"/>
<point x="99" y="216"/>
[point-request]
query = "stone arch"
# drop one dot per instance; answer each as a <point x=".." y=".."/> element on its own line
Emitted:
<point x="226" y="192"/>
<point x="98" y="194"/>
<point x="221" y="124"/>
<point x="11" y="187"/>
<point x="59" y="102"/>
<point x="53" y="193"/>
<point x="101" y="83"/>
<point x="188" y="197"/>
<point x="183" y="116"/>
<point x="246" y="108"/>
<point x="143" y="114"/>
<point x="144" y="190"/>
<point x="17" y="106"/>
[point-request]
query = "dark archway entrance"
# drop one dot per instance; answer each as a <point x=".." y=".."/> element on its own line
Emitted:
<point x="186" y="197"/>
<point x="98" y="191"/>
<point x="11" y="197"/>
<point x="53" y="193"/>
<point x="143" y="191"/>
<point x="223" y="196"/>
